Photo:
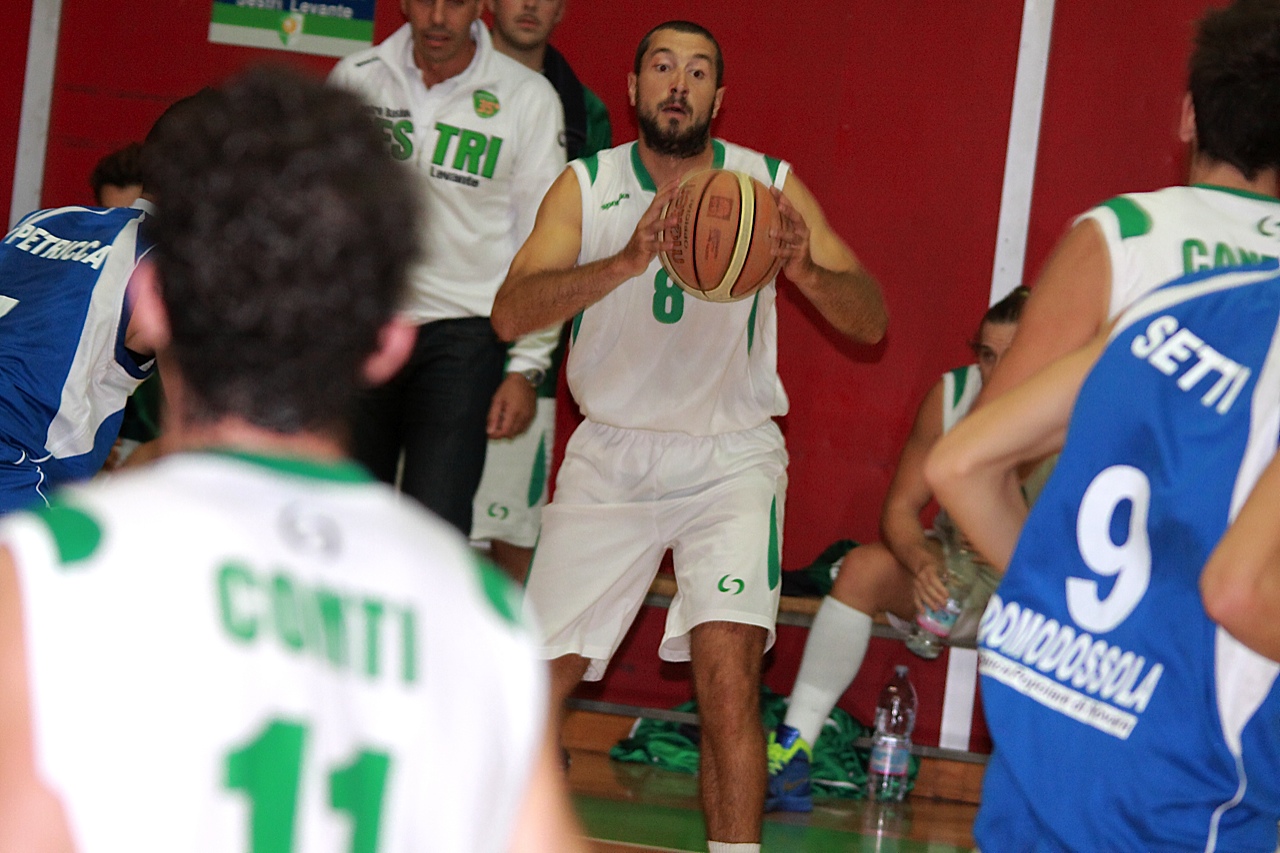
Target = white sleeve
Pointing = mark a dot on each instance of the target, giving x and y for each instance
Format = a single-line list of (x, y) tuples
[(533, 350), (540, 159), (340, 76), (540, 155)]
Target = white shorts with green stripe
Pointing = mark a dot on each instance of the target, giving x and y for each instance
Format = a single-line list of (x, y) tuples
[(513, 489), (623, 497)]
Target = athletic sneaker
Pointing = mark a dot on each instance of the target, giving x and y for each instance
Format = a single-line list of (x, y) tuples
[(789, 758)]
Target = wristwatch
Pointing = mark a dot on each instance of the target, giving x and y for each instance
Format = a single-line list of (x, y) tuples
[(533, 376)]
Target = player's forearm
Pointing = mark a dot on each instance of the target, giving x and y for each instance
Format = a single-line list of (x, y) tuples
[(1249, 613), (1240, 584), (905, 538), (538, 300), (985, 501), (850, 301)]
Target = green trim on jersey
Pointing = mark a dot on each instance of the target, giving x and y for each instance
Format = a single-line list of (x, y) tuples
[(593, 166), (773, 164), (961, 375), (775, 547), (75, 533), (1241, 193), (538, 479), (751, 322), (498, 589), (577, 322), (646, 180), (1134, 219), (599, 131), (642, 174), (340, 471)]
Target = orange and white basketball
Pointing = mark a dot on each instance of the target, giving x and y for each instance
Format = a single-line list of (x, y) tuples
[(722, 245)]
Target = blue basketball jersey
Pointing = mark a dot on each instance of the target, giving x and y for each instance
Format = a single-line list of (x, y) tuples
[(1123, 718), (64, 370)]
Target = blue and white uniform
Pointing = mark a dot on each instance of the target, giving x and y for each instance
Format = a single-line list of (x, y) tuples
[(1124, 718), (64, 370)]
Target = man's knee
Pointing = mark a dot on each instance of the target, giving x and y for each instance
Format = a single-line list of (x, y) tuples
[(869, 579), (726, 657)]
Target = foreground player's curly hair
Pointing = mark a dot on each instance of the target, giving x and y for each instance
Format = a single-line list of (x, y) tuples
[(1234, 82), (283, 239)]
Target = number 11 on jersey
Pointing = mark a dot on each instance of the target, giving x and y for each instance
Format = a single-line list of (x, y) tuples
[(268, 770)]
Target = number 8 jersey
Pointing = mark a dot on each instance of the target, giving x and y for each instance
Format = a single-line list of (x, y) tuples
[(257, 655), (649, 356), (1123, 718)]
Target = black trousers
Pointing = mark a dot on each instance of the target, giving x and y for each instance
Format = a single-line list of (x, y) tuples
[(435, 410)]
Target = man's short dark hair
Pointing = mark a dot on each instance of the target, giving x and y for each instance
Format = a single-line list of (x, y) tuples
[(283, 238), (681, 27), (1234, 82), (120, 168)]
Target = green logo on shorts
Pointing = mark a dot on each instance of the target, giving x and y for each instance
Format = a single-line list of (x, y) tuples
[(498, 511), (739, 581)]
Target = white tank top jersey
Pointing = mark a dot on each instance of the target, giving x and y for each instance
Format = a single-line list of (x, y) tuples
[(960, 387), (1158, 236), (648, 355), (257, 655)]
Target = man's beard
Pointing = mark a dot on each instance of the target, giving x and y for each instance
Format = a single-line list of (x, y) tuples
[(671, 143)]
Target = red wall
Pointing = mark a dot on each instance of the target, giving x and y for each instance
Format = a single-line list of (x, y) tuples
[(895, 115), (13, 65)]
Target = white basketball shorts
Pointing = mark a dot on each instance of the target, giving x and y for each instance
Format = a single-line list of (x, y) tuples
[(623, 497), (513, 489)]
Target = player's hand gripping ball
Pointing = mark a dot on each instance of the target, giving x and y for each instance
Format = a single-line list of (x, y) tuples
[(722, 250)]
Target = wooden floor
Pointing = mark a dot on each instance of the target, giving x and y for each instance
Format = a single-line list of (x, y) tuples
[(630, 807)]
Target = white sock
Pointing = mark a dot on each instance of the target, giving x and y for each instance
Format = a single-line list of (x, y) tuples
[(726, 847), (832, 657)]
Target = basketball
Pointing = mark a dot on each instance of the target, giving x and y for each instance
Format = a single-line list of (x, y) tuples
[(722, 246)]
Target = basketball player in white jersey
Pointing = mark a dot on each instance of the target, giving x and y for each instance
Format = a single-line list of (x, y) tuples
[(250, 646), (679, 449), (1226, 215)]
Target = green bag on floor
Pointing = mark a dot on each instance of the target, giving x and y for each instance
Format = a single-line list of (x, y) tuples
[(839, 767)]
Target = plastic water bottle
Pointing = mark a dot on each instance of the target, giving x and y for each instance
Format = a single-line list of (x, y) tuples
[(884, 826), (891, 745), (958, 573)]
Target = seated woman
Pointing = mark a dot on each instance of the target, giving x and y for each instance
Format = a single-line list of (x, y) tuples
[(899, 576)]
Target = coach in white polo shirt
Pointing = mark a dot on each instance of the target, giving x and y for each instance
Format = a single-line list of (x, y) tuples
[(486, 135)]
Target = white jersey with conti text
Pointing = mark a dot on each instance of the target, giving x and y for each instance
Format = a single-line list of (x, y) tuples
[(242, 654), (486, 145), (648, 355), (1155, 237)]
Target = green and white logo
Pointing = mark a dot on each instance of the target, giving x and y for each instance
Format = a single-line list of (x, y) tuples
[(291, 27), (727, 579), (486, 103)]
